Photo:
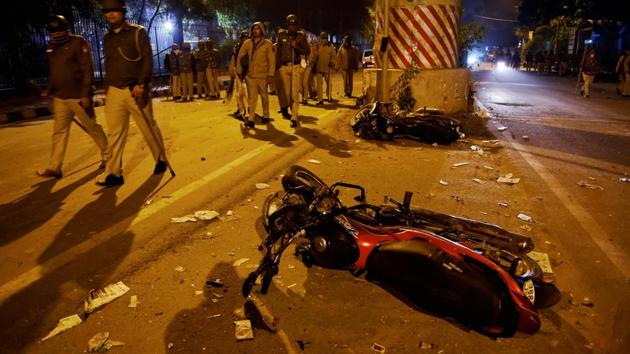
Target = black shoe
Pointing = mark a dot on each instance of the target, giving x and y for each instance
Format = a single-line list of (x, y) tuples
[(294, 123), (249, 124), (265, 120), (319, 103), (49, 173), (330, 100), (304, 102), (111, 181), (285, 113), (160, 167)]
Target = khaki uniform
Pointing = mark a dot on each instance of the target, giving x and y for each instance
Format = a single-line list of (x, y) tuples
[(201, 64), (590, 67), (261, 67), (125, 67), (308, 81), (240, 89), (70, 78), (212, 71), (176, 77), (186, 65), (323, 68), (348, 59), (291, 72)]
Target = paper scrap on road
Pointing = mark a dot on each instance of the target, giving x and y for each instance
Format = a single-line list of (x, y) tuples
[(425, 345), (443, 182), (460, 164), (240, 262), (504, 204), (179, 269), (262, 186), (198, 292), (475, 148), (63, 325), (243, 330), (543, 261), (206, 215), (133, 301), (101, 343), (508, 179), (478, 181), (100, 297), (378, 348), (525, 217), (624, 179), (526, 227), (313, 161), (502, 128), (183, 219), (525, 137), (585, 184)]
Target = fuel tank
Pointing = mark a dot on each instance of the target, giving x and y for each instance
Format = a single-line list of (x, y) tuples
[(456, 288)]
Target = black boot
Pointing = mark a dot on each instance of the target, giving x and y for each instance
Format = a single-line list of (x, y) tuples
[(285, 113)]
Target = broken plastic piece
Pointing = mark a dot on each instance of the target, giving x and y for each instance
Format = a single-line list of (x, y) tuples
[(206, 215), (524, 217), (378, 348), (443, 182), (313, 161), (96, 342), (63, 325), (240, 262), (585, 184), (262, 186), (475, 148), (133, 301), (179, 269), (183, 219), (459, 164), (501, 129), (504, 204), (100, 297), (425, 345), (478, 181), (243, 330), (217, 283), (624, 179), (507, 179)]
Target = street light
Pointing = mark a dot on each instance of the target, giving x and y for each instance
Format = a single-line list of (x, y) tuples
[(168, 26)]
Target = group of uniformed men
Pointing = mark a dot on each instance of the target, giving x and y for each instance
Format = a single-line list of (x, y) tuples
[(289, 65)]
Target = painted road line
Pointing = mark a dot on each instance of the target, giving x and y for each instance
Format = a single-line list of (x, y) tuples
[(615, 254), (34, 274)]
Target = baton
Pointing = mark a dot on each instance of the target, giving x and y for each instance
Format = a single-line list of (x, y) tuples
[(89, 111), (160, 143)]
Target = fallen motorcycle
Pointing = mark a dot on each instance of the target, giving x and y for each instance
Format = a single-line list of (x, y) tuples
[(385, 121), (475, 273)]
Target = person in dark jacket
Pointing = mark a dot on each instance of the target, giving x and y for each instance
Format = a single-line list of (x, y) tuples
[(348, 61), (172, 65), (589, 67), (129, 71), (201, 63), (70, 85), (186, 62)]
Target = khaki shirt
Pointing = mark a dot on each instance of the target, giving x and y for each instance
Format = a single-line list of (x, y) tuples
[(201, 59), (262, 61), (348, 58), (128, 56), (213, 58), (70, 68), (325, 58)]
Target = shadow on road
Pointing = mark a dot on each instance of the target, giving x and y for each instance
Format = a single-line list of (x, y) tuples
[(269, 134)]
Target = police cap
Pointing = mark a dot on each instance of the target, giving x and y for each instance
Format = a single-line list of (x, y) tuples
[(57, 23), (114, 6)]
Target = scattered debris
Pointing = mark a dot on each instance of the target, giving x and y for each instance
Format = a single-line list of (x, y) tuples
[(525, 137), (229, 213), (504, 204), (501, 128), (425, 345), (183, 219), (259, 314), (170, 345), (203, 158), (101, 343), (434, 145), (240, 262), (624, 179), (357, 141), (206, 215), (133, 302), (198, 292), (215, 315), (148, 202), (179, 269), (507, 179), (100, 297), (243, 330), (589, 345), (217, 295), (525, 217), (262, 186), (543, 261), (313, 161), (460, 164), (63, 325), (443, 182), (585, 184), (478, 181), (378, 348), (587, 302), (217, 283), (526, 227), (231, 254), (475, 148), (302, 344), (292, 285), (488, 167)]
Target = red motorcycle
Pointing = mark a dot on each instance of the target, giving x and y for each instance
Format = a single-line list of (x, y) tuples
[(472, 272)]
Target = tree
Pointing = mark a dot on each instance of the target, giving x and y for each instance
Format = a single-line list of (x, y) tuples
[(470, 35)]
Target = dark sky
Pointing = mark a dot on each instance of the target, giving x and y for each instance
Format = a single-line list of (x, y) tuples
[(498, 33)]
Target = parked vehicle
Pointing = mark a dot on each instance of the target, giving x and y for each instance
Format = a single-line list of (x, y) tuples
[(367, 59), (385, 121), (468, 271)]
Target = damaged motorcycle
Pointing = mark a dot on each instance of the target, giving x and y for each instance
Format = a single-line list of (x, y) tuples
[(385, 121), (467, 271)]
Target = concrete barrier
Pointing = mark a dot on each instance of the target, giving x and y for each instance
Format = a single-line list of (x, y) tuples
[(446, 89)]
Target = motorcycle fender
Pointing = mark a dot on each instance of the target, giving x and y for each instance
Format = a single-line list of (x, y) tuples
[(440, 283)]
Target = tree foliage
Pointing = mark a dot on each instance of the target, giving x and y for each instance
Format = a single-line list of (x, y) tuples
[(539, 12)]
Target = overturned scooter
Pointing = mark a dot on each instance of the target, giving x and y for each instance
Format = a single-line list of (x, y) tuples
[(474, 273)]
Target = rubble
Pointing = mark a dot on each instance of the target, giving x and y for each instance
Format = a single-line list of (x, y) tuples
[(99, 297), (478, 181), (243, 330), (378, 348), (183, 219), (502, 128), (133, 302), (206, 215), (101, 343), (179, 269), (460, 164), (504, 204), (585, 184), (63, 325), (425, 345), (508, 179)]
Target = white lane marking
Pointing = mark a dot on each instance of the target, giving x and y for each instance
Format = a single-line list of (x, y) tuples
[(615, 254), (36, 273)]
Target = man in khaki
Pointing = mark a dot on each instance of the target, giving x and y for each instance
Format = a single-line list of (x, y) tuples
[(212, 72), (259, 52), (348, 61), (239, 88), (325, 63), (129, 68), (201, 63), (291, 44), (308, 79), (186, 66), (70, 83)]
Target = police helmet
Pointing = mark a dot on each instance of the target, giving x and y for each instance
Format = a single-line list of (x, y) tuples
[(292, 20), (244, 34), (57, 23), (323, 35), (114, 6)]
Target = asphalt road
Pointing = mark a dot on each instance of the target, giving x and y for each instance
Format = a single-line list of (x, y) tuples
[(62, 238)]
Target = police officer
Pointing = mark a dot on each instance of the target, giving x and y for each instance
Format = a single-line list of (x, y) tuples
[(171, 63), (348, 60), (201, 63), (186, 66), (212, 70), (291, 44), (70, 84), (129, 68), (325, 62)]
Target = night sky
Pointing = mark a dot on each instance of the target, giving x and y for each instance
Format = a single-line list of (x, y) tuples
[(497, 33)]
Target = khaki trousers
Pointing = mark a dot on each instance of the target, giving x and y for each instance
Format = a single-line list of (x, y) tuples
[(120, 105), (256, 87), (291, 76), (283, 100), (187, 84), (320, 77), (202, 83), (586, 86), (307, 83), (347, 76), (64, 112), (240, 92), (176, 85), (213, 81)]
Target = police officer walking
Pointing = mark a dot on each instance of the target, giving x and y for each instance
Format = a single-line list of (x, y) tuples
[(348, 60), (129, 68), (325, 62), (291, 44), (70, 84)]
